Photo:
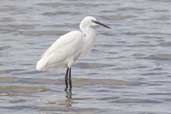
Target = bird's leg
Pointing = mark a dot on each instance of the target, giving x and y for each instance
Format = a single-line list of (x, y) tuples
[(70, 80), (66, 79), (70, 84)]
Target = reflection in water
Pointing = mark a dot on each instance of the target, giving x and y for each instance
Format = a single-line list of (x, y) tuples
[(68, 102)]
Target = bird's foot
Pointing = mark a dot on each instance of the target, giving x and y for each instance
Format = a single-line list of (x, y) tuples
[(68, 93)]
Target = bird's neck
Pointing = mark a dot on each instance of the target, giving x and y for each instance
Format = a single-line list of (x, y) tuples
[(89, 38), (87, 30)]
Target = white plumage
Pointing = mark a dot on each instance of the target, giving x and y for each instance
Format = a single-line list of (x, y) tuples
[(66, 50), (62, 52)]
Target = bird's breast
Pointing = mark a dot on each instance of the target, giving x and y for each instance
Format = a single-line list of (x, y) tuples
[(89, 40)]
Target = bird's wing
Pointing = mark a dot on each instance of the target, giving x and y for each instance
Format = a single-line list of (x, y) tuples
[(63, 48), (64, 41)]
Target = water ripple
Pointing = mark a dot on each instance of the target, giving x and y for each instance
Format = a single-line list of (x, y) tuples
[(127, 72)]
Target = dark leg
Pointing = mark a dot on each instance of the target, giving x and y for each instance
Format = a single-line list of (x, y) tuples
[(66, 79), (70, 84), (70, 80)]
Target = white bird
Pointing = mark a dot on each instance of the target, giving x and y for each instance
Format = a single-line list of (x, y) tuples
[(66, 49)]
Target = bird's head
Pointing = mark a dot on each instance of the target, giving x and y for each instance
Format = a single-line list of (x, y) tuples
[(90, 21)]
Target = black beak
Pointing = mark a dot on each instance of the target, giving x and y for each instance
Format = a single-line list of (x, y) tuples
[(99, 23)]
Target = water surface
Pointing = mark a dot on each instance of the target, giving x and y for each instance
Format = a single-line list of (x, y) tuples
[(128, 71)]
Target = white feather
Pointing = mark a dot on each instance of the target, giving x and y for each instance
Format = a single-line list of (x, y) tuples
[(66, 50), (62, 51)]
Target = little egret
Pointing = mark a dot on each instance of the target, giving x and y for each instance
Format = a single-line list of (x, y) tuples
[(66, 50)]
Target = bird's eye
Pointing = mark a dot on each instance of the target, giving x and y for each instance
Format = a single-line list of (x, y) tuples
[(92, 20)]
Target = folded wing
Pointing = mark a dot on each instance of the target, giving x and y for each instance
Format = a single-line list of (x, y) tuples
[(63, 50)]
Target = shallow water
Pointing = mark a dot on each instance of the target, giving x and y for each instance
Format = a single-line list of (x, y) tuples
[(127, 72)]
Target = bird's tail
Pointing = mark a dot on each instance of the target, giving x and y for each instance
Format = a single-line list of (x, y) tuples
[(41, 65)]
